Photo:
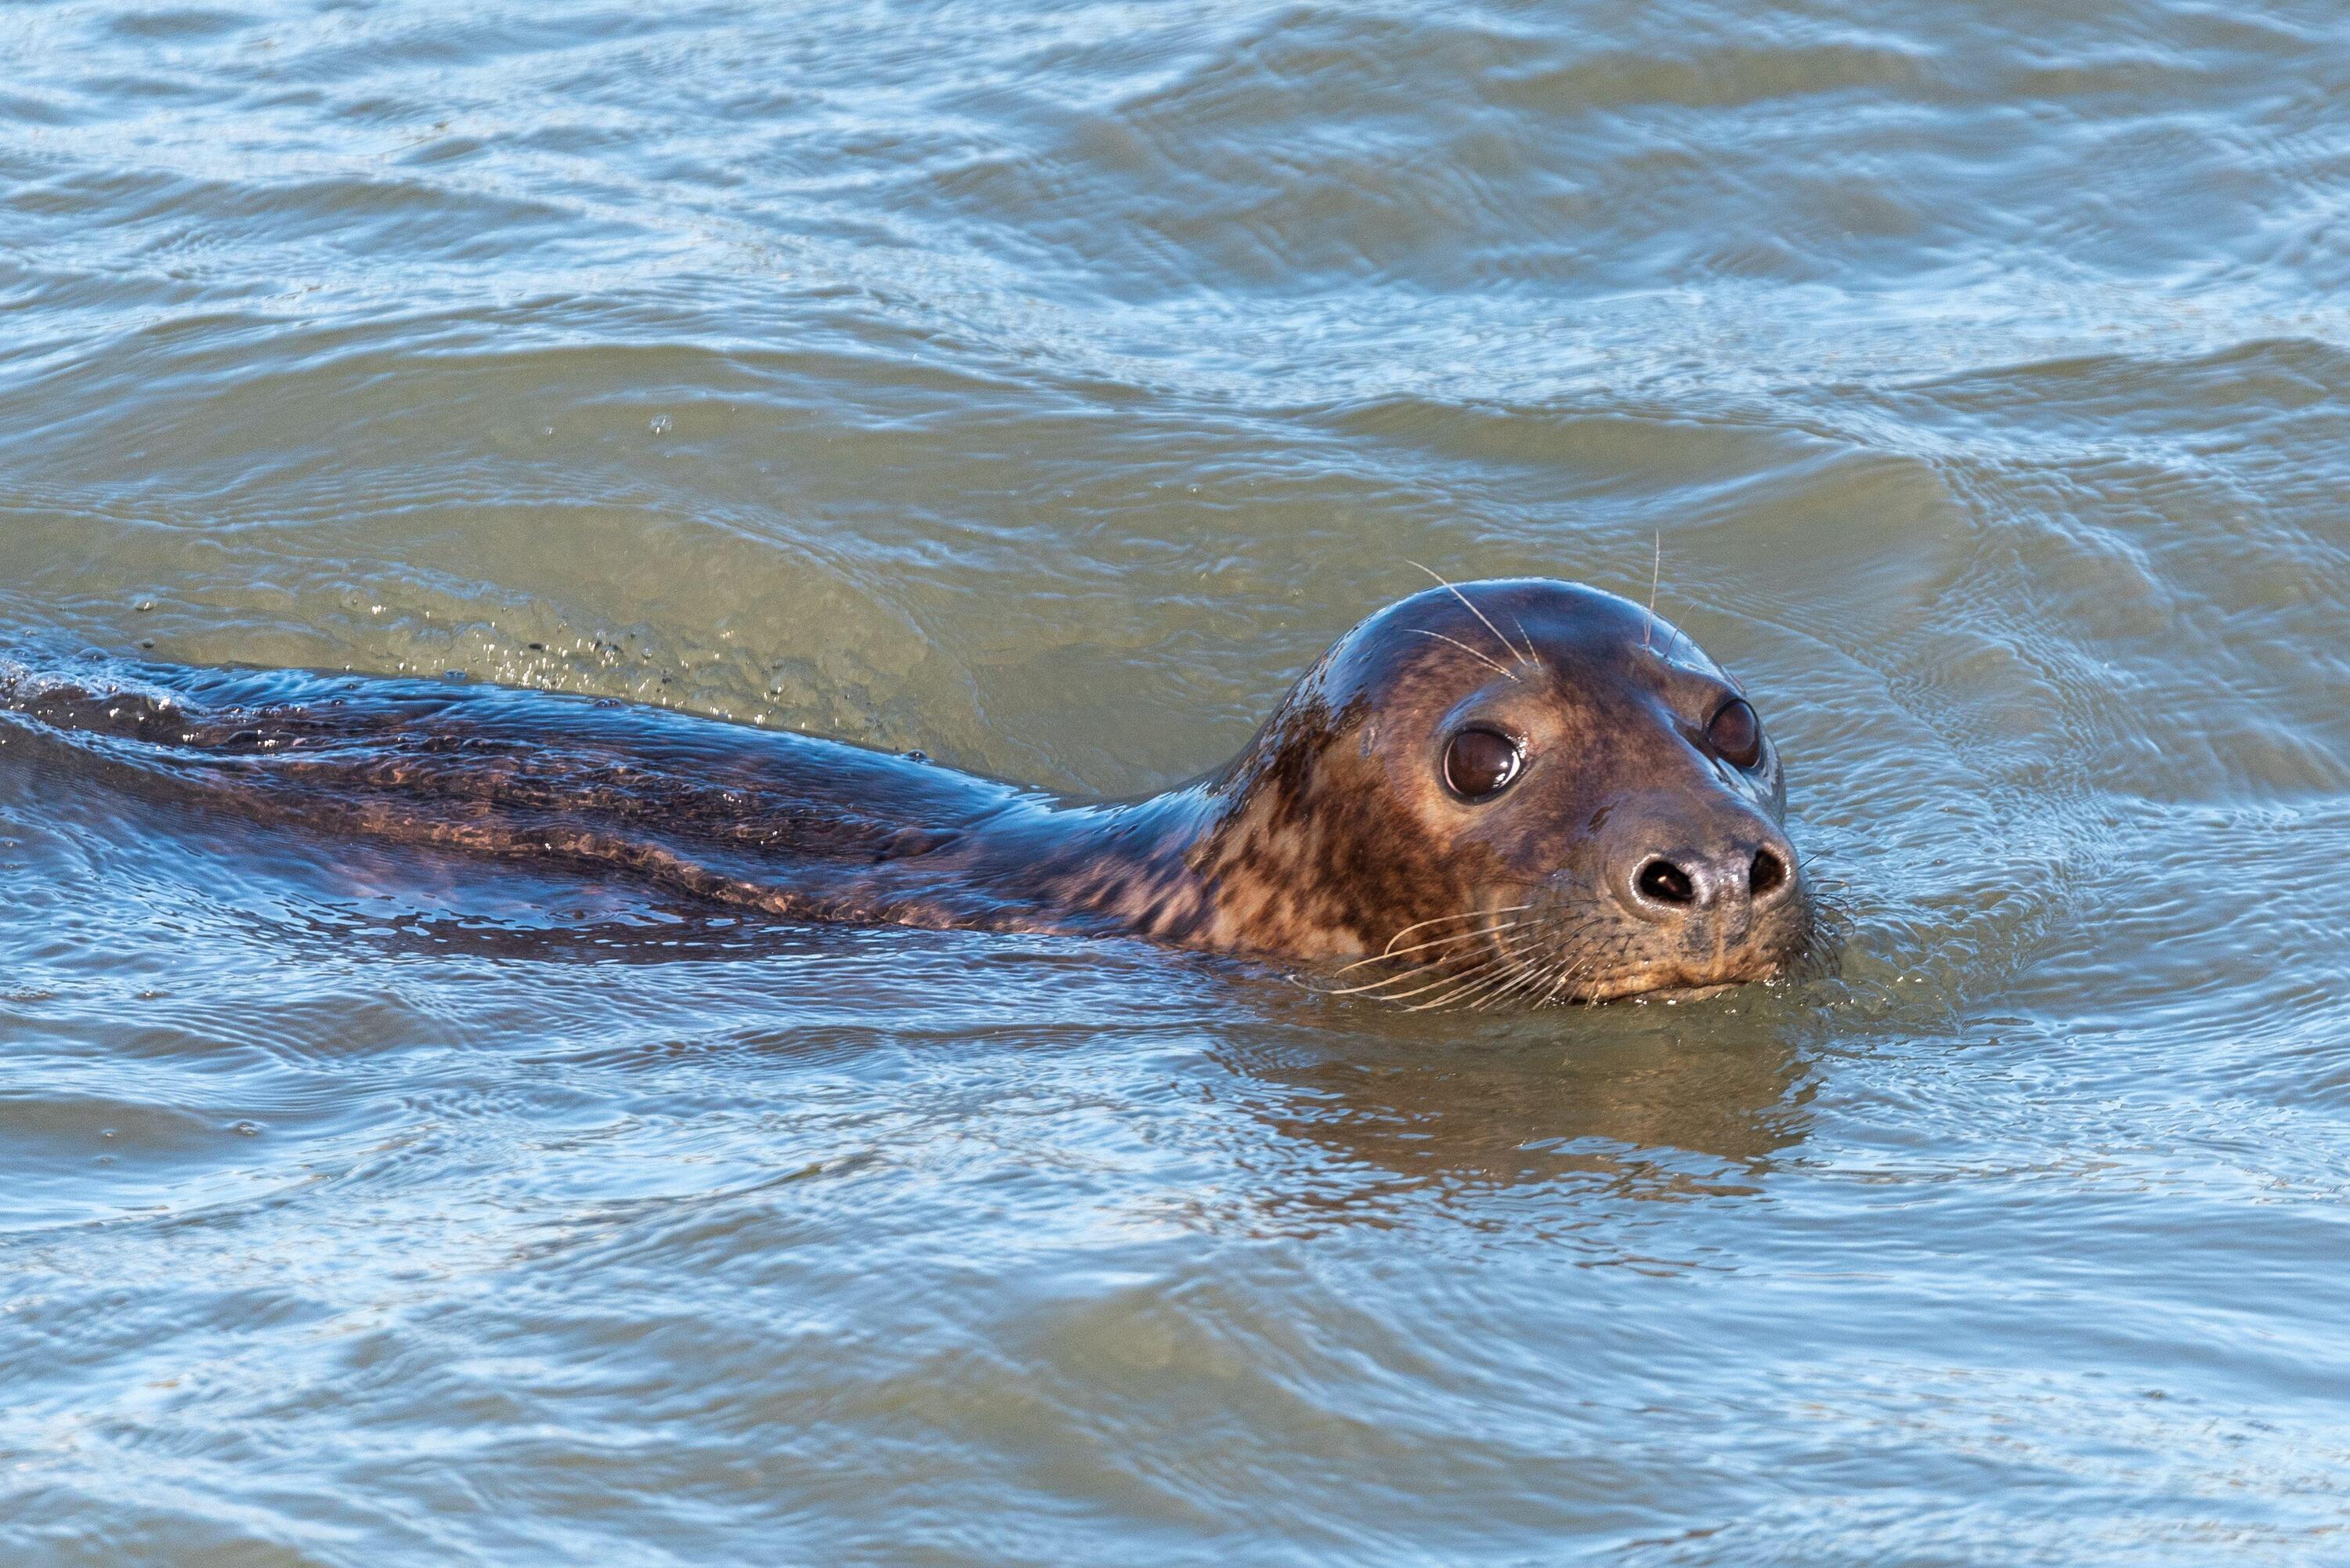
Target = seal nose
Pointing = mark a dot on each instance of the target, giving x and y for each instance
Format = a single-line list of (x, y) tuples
[(1724, 884)]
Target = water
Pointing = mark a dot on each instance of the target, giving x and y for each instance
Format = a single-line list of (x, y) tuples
[(1042, 387)]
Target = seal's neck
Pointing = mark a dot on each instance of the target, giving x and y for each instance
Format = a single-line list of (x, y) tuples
[(1127, 867), (1234, 862)]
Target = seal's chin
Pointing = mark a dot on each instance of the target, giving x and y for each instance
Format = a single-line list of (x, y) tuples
[(1669, 990), (1650, 964), (1676, 983)]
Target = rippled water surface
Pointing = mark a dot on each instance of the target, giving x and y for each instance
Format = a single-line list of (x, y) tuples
[(1042, 386)]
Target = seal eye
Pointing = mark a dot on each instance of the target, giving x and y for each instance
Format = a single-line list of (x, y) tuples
[(1736, 734), (1481, 763)]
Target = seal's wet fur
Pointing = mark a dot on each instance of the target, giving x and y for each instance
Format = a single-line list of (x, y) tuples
[(1333, 836)]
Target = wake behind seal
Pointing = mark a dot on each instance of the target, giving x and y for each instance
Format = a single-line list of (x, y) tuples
[(1515, 791)]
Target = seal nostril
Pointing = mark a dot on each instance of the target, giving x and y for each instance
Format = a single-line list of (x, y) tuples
[(1666, 883), (1766, 873)]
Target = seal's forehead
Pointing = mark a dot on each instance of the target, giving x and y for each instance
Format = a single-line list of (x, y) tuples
[(1499, 625)]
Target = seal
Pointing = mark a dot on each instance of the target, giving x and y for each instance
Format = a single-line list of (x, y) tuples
[(1518, 791)]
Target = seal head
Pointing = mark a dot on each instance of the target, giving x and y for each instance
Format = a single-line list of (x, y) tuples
[(1520, 790)]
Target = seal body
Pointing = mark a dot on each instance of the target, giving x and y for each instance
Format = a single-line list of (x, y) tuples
[(1520, 790)]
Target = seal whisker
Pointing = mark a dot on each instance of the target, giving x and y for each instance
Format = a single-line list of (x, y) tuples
[(1566, 971), (1570, 967), (1412, 972), (1533, 657), (1433, 964), (1471, 652), (1372, 987), (1507, 645), (1513, 966), (1536, 973), (1458, 914), (1431, 920), (1428, 1006), (1513, 969), (1432, 942), (1452, 978), (1656, 579), (1572, 970), (1525, 971), (1464, 984)]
